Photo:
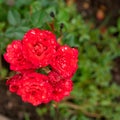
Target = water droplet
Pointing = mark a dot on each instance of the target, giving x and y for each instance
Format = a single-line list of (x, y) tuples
[(65, 48), (32, 32), (43, 97), (41, 34)]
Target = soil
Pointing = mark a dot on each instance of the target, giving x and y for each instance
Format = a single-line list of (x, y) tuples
[(99, 11), (116, 71), (12, 106)]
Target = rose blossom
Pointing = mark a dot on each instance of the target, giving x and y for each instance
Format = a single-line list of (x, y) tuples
[(32, 87), (61, 87), (14, 83), (54, 77), (39, 46), (15, 57), (39, 50), (65, 61)]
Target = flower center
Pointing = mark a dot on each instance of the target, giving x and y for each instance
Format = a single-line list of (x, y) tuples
[(39, 48)]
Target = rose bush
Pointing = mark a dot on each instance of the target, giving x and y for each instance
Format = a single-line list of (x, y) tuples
[(37, 50)]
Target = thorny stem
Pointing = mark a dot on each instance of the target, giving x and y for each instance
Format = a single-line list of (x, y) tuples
[(61, 27), (57, 117), (59, 40), (52, 24), (76, 107)]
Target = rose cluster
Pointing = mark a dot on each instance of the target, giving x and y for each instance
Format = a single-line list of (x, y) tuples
[(39, 50)]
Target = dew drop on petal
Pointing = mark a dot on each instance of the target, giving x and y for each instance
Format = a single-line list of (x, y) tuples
[(66, 93), (65, 48), (15, 46), (41, 34), (43, 97), (32, 32), (41, 84)]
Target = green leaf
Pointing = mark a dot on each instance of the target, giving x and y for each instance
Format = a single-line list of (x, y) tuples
[(112, 30), (38, 18), (2, 25), (41, 111), (84, 37), (105, 102), (63, 15), (73, 117), (26, 115), (1, 1), (20, 3), (3, 73), (118, 24), (15, 33), (13, 17)]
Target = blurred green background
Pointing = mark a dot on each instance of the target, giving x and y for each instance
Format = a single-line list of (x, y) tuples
[(96, 95)]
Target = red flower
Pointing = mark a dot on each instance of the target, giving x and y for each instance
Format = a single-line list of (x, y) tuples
[(39, 46), (14, 83), (32, 87), (61, 87), (15, 57), (65, 61), (54, 77)]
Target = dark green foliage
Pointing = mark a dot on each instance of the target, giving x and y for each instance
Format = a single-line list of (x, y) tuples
[(94, 94)]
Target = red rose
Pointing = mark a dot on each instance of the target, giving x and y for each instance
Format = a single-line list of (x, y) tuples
[(65, 61), (14, 83), (39, 46), (61, 87), (54, 77), (35, 89), (15, 57)]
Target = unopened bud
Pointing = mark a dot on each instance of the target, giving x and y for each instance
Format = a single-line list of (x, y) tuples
[(61, 26), (52, 14)]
